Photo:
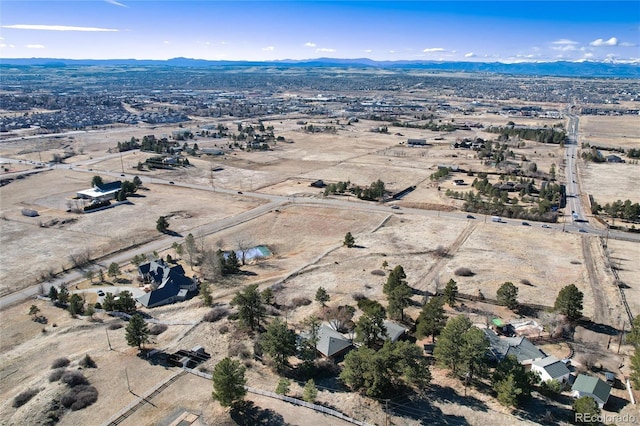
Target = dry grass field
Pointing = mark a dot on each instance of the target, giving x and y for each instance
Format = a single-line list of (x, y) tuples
[(305, 238)]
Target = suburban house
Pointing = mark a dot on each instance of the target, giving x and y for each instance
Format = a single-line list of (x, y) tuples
[(395, 331), (331, 344), (106, 191), (164, 284), (520, 347), (593, 387), (551, 368)]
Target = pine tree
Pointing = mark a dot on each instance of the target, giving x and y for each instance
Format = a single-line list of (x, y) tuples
[(432, 320), (569, 302), (251, 311), (228, 382), (508, 295), (279, 342), (322, 296), (137, 332), (451, 292), (310, 391)]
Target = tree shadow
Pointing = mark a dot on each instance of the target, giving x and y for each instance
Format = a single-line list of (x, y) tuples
[(173, 233), (247, 413), (415, 406), (616, 403), (598, 328), (451, 396)]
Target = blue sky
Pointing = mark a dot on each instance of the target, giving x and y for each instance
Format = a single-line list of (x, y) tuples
[(506, 31)]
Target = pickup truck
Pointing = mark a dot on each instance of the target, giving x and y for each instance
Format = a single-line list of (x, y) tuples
[(496, 219)]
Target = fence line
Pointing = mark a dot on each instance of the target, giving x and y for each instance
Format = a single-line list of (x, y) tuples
[(289, 399)]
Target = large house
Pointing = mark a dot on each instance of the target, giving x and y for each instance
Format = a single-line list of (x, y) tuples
[(593, 387), (105, 191), (520, 347), (551, 368), (165, 284)]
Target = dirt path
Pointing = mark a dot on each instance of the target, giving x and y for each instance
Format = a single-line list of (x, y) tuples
[(423, 282), (600, 309)]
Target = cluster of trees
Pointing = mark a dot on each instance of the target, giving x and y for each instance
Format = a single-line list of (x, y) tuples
[(133, 143), (374, 191), (123, 303), (159, 146), (431, 125), (593, 155), (625, 210), (633, 153), (310, 128), (544, 135), (442, 172), (633, 338), (158, 162)]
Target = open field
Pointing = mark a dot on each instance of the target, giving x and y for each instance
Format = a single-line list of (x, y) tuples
[(305, 234), (614, 132)]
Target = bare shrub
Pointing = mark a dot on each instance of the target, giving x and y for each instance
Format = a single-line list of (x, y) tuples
[(378, 272), (224, 329), (79, 397), (74, 378), (300, 301), (55, 375), (87, 362), (24, 397), (576, 262), (114, 325), (526, 282), (215, 314), (60, 362), (157, 329), (440, 251), (464, 272), (239, 349), (358, 296)]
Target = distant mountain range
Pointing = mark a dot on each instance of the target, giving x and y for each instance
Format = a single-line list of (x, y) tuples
[(559, 68)]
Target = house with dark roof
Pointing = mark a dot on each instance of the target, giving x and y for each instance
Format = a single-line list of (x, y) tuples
[(551, 368), (165, 284), (520, 347), (593, 387), (331, 344)]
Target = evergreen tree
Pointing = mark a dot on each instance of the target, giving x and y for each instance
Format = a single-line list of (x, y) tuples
[(396, 278), (508, 295), (53, 294), (279, 342), (512, 383), (268, 298), (162, 225), (114, 270), (228, 382), (569, 302), (310, 391), (137, 332), (76, 305), (349, 241), (283, 387), (205, 293), (63, 295), (432, 320), (322, 296), (399, 298), (250, 308), (586, 405), (370, 328), (635, 368), (451, 292)]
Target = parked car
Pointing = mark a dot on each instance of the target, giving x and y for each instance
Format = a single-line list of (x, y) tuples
[(545, 226), (526, 224)]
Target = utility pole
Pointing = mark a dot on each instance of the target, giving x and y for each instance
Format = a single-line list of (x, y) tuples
[(121, 163), (621, 334), (127, 377), (108, 341)]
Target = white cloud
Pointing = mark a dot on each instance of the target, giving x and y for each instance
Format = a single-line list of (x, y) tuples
[(564, 47), (57, 28), (324, 49), (600, 42), (470, 55), (165, 42), (367, 51), (626, 44), (433, 49), (35, 46), (310, 44), (564, 42), (116, 3), (268, 49)]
